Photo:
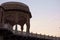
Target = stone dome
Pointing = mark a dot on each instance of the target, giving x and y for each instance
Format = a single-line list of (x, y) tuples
[(16, 5)]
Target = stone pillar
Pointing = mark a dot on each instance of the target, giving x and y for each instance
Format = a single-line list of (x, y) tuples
[(28, 24), (1, 17), (16, 21)]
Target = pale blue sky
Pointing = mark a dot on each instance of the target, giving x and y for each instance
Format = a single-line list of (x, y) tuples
[(45, 16)]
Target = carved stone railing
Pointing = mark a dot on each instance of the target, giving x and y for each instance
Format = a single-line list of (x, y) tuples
[(36, 35)]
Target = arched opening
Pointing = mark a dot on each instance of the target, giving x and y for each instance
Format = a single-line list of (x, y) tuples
[(25, 28), (19, 27)]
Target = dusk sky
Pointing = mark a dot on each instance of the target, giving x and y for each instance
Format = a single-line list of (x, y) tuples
[(45, 16)]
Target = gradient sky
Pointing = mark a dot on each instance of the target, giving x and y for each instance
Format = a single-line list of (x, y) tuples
[(45, 16)]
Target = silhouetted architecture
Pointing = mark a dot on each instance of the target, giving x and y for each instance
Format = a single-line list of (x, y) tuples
[(13, 13), (16, 13)]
